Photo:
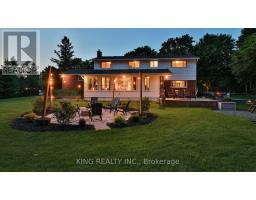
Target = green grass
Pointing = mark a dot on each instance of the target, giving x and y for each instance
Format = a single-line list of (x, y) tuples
[(200, 139), (242, 106)]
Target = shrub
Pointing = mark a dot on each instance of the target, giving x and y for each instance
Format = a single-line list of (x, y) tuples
[(38, 106), (53, 107), (227, 99), (30, 117), (120, 121), (134, 119), (82, 122), (145, 104), (64, 112)]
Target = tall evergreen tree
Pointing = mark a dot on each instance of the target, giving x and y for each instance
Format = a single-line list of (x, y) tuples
[(64, 54)]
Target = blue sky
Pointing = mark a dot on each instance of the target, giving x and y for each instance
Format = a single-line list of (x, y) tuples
[(114, 41)]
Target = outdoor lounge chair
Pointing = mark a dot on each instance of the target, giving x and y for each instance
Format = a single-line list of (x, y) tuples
[(113, 105), (124, 108), (96, 110)]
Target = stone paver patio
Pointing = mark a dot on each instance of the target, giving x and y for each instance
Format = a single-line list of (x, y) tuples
[(107, 117)]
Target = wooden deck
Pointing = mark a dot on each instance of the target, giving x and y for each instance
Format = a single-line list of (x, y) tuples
[(191, 102)]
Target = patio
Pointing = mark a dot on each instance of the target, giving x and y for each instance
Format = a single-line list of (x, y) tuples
[(107, 117)]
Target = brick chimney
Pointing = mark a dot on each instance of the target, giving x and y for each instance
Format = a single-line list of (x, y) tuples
[(99, 54)]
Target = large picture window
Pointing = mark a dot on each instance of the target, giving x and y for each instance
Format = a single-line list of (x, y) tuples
[(105, 83), (179, 84), (134, 64), (106, 65), (125, 83), (179, 63), (147, 83), (92, 83)]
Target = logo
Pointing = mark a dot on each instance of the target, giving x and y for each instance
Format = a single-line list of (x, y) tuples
[(20, 53)]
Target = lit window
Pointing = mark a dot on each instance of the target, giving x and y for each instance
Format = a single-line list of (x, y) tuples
[(179, 84), (125, 83), (146, 83), (93, 83), (179, 63), (105, 65), (153, 63), (134, 64), (105, 83)]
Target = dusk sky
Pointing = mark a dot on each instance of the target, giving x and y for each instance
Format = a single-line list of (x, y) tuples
[(113, 41)]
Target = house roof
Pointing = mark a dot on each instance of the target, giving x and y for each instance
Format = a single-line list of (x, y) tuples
[(145, 58), (116, 71)]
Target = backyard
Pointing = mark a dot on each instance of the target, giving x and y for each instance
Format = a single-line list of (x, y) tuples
[(200, 139)]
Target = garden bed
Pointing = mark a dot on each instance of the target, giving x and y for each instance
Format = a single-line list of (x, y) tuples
[(24, 125), (135, 121)]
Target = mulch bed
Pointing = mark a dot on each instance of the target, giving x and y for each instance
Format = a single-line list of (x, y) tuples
[(24, 125), (146, 120)]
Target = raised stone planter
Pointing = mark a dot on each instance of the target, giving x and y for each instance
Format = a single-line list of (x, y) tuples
[(227, 105)]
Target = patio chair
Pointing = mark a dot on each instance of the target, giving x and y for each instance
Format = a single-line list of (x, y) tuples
[(124, 108), (96, 110), (93, 100), (113, 105)]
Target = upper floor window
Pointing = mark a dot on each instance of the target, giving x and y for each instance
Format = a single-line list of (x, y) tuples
[(153, 63), (179, 63), (179, 84), (134, 64), (106, 64)]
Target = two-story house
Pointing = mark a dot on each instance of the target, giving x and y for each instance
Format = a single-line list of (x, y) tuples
[(119, 76)]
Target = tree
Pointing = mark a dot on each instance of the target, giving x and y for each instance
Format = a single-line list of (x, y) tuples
[(177, 46), (246, 32), (144, 51), (244, 64), (13, 86), (215, 53), (9, 86), (78, 62), (64, 54)]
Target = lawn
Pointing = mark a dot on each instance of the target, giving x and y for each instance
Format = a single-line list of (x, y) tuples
[(200, 139)]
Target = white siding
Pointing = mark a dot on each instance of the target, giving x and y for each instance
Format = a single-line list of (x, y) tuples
[(188, 73)]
